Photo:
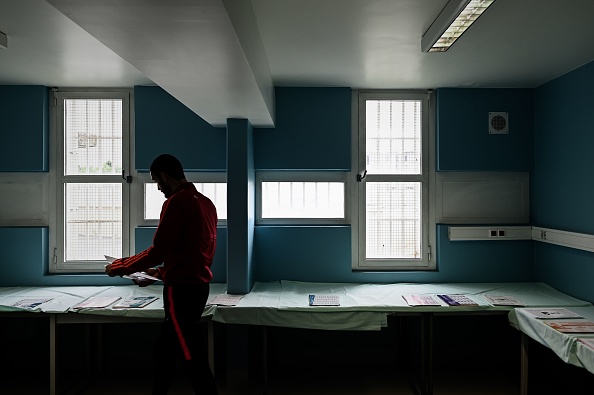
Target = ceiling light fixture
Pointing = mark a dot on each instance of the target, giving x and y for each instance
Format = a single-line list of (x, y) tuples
[(3, 41), (455, 18)]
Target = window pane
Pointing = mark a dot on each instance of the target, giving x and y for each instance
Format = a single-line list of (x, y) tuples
[(302, 200), (215, 191), (393, 220), (393, 136), (93, 221), (93, 137), (153, 201)]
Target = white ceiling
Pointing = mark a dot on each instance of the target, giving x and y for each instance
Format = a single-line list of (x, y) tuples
[(221, 58)]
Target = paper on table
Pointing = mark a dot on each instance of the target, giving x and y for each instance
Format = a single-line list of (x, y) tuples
[(503, 300), (457, 300), (140, 276), (420, 300), (225, 300), (572, 326), (31, 303), (324, 300), (134, 302), (96, 302), (550, 313)]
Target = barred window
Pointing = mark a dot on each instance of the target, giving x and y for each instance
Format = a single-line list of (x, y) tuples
[(393, 201), (154, 199), (302, 197), (92, 197)]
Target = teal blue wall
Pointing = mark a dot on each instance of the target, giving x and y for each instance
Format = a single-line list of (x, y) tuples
[(463, 139), (164, 125), (25, 261), (483, 261), (562, 189), (312, 131), (553, 116), (24, 128), (314, 253), (24, 255)]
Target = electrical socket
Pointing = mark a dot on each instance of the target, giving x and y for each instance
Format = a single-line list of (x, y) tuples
[(496, 232)]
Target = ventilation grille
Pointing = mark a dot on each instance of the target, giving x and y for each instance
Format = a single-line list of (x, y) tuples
[(498, 123)]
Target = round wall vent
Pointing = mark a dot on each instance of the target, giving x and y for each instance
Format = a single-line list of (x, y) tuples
[(498, 123)]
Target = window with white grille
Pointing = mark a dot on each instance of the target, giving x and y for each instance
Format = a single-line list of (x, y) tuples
[(393, 230), (302, 198), (154, 199), (92, 205)]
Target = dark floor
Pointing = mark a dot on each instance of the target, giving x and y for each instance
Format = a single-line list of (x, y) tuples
[(288, 383), (481, 359)]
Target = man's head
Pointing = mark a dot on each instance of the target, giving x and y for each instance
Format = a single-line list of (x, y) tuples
[(167, 171)]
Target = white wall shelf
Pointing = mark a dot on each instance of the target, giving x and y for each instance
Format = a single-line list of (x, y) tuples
[(579, 241), (493, 233)]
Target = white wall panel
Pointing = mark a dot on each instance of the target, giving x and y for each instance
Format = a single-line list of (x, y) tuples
[(482, 198), (24, 199)]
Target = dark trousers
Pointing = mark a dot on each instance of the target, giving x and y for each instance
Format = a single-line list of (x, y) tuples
[(181, 338)]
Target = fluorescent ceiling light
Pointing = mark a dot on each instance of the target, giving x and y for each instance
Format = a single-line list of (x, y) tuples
[(455, 18), (3, 41)]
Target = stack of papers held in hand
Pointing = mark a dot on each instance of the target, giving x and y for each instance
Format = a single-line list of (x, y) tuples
[(141, 276), (138, 276)]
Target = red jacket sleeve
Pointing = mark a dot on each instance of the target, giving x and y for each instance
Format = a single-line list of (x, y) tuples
[(165, 238)]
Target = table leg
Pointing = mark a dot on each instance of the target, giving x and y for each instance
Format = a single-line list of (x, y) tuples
[(52, 351), (211, 361), (427, 353), (524, 364), (265, 359)]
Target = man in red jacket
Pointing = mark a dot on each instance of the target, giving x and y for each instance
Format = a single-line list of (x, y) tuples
[(184, 243)]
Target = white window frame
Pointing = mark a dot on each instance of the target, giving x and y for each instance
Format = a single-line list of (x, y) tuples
[(58, 179), (427, 260), (300, 176), (194, 177)]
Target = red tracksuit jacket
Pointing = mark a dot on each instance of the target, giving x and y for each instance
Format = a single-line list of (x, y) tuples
[(184, 242)]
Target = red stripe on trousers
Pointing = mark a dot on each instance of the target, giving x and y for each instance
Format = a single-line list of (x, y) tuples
[(180, 335)]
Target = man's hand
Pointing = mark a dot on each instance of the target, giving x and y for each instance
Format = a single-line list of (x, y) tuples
[(144, 283), (108, 270)]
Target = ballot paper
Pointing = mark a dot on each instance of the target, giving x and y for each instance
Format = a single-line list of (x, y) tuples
[(225, 300), (134, 302), (572, 326), (31, 303), (324, 300), (503, 300), (141, 276), (545, 313), (95, 302), (138, 276), (420, 300)]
